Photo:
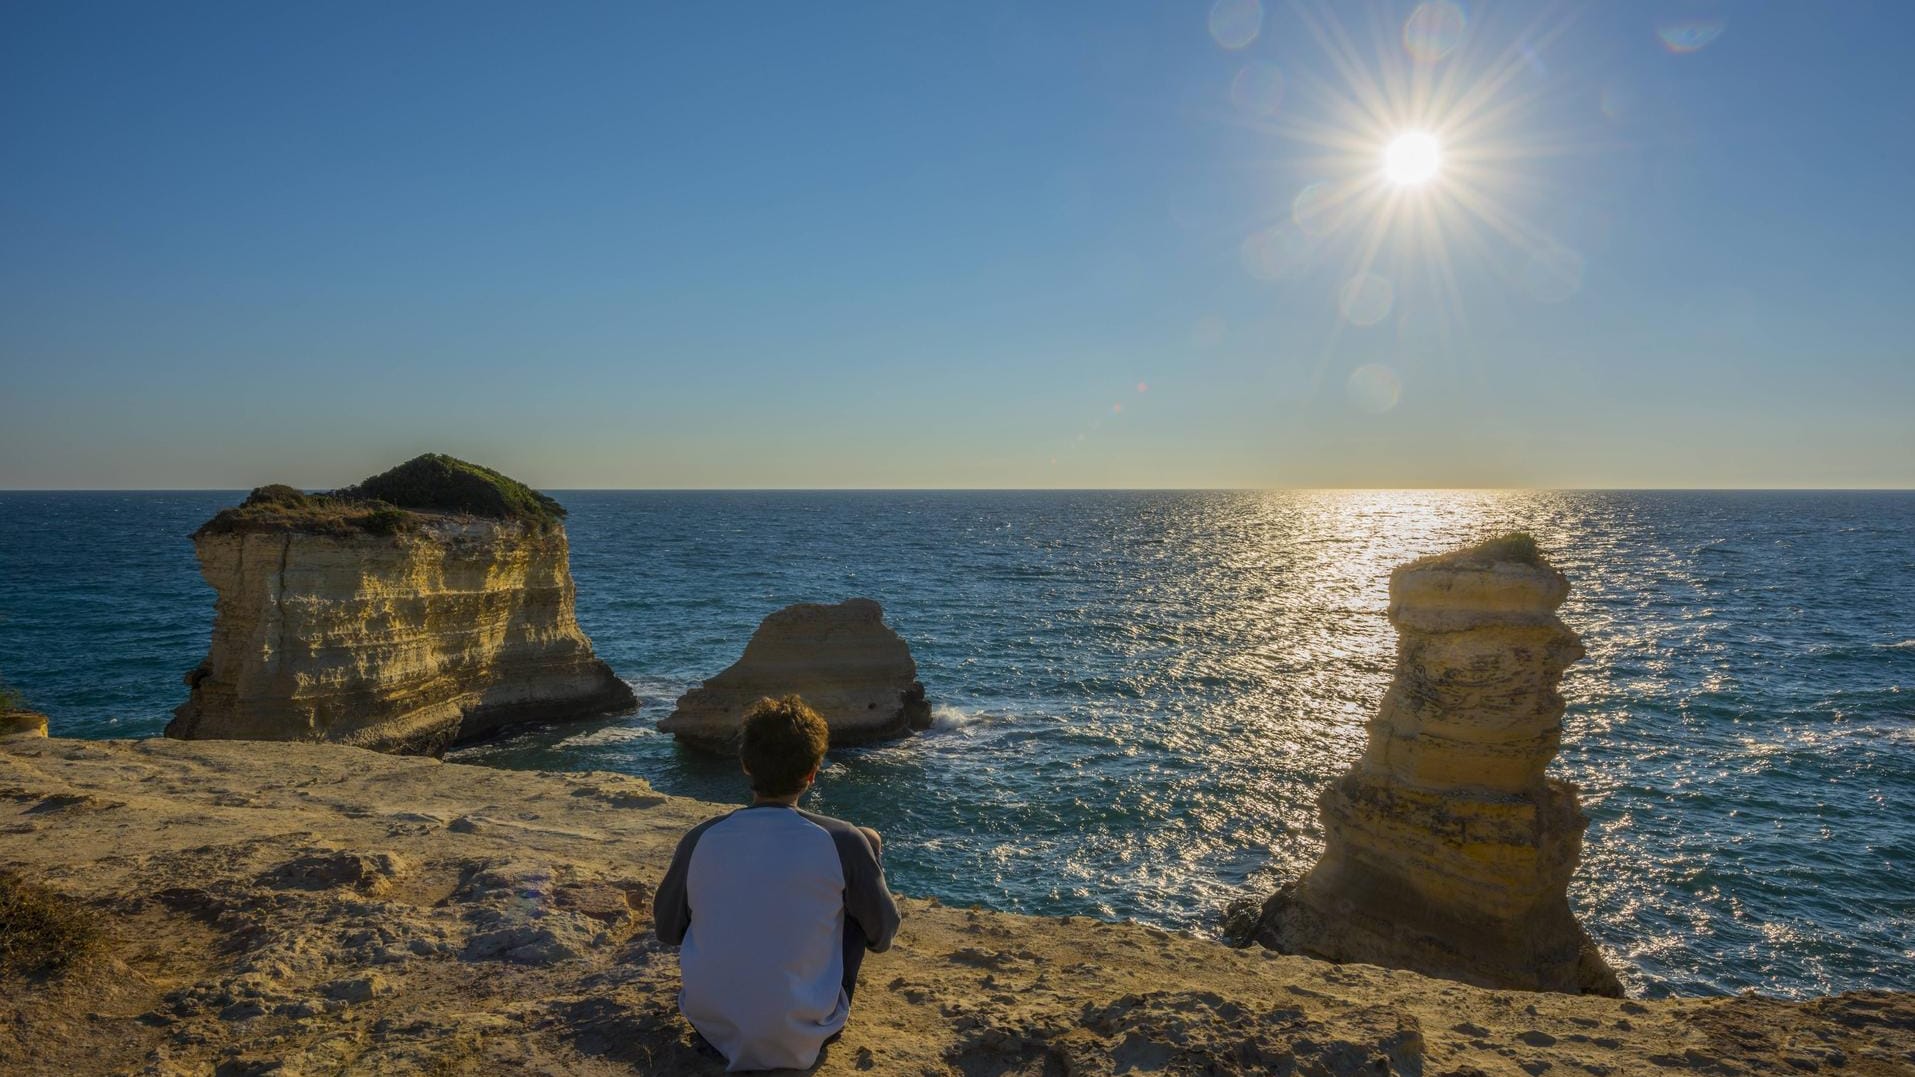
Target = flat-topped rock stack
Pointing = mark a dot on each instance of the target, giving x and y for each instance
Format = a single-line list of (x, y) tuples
[(428, 605), (844, 660), (1448, 850)]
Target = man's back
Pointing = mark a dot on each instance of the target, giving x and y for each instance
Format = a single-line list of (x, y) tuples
[(758, 901)]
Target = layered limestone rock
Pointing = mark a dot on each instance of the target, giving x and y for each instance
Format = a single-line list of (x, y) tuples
[(1448, 850), (843, 659), (22, 723), (439, 613)]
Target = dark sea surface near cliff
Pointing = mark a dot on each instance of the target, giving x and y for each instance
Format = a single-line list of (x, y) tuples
[(1139, 695)]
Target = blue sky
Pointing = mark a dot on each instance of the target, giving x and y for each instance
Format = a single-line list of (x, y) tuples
[(979, 244)]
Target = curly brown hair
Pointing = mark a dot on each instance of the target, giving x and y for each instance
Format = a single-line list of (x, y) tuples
[(782, 742)]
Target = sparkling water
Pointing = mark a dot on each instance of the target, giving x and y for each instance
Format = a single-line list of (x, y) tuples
[(1139, 695)]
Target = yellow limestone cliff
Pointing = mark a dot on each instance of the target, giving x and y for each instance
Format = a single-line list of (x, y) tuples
[(1448, 851), (401, 629)]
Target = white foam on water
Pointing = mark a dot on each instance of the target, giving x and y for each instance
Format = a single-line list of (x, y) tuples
[(946, 718), (616, 734)]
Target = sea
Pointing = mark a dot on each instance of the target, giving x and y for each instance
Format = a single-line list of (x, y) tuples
[(1139, 695)]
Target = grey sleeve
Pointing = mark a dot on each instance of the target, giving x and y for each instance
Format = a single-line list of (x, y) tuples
[(671, 906), (867, 900), (866, 897)]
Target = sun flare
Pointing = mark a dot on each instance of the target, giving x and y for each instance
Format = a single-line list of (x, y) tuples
[(1412, 158)]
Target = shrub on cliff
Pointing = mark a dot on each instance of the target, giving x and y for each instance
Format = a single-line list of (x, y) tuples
[(388, 503), (282, 508), (41, 932), (439, 483), (1516, 547)]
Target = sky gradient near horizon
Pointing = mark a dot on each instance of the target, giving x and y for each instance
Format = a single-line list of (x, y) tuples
[(970, 245)]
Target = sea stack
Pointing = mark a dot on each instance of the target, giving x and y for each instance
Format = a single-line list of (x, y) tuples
[(843, 659), (1448, 850), (428, 605)]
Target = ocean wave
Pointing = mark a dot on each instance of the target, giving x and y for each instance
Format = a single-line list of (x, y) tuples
[(946, 718)]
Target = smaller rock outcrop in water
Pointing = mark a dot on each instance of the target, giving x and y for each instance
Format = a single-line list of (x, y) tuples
[(1447, 849), (425, 606), (843, 659)]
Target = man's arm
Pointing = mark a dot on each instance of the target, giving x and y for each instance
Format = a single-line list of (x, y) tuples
[(671, 906), (867, 900)]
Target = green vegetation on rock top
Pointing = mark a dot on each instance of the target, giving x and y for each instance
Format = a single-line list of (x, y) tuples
[(390, 502), (1517, 547), (439, 483)]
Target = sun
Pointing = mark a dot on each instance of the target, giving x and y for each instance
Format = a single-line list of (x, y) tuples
[(1412, 158)]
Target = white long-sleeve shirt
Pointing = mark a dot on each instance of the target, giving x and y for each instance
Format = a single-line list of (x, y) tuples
[(757, 902)]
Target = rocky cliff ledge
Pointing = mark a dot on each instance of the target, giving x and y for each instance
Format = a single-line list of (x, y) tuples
[(299, 909), (22, 723), (843, 659), (428, 605), (1447, 850)]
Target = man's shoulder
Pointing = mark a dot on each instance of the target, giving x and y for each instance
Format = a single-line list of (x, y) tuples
[(692, 835), (834, 826), (848, 837)]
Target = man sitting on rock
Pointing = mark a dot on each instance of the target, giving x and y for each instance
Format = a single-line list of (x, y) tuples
[(773, 907)]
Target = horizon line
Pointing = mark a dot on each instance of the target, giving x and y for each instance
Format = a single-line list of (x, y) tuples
[(1035, 489)]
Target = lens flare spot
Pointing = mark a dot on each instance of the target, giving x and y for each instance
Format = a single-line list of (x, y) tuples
[(1235, 23), (1412, 158), (1553, 273), (1618, 100), (1366, 299), (1319, 209), (1258, 89), (1277, 254), (1434, 30), (1682, 36), (1143, 387), (1374, 387)]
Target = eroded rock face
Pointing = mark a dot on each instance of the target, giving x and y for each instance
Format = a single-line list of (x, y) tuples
[(843, 659), (21, 723), (446, 630), (1448, 850)]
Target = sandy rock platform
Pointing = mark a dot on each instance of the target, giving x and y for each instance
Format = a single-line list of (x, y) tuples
[(294, 909)]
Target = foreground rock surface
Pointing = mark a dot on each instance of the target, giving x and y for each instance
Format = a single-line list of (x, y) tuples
[(396, 629), (843, 659), (311, 909), (1447, 849)]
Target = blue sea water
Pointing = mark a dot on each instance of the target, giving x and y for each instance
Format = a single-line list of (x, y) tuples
[(1139, 695)]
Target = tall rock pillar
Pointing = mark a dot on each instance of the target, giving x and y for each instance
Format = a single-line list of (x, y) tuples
[(1447, 849)]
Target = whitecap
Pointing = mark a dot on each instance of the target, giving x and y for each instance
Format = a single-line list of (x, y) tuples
[(615, 734), (946, 718)]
